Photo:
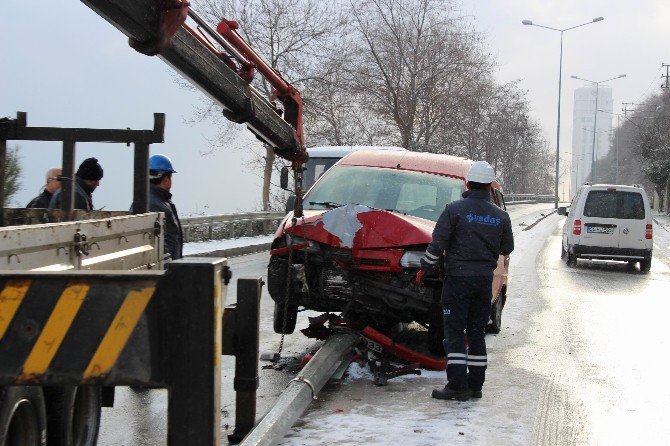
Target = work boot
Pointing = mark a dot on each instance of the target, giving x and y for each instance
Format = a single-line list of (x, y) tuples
[(475, 393), (451, 394)]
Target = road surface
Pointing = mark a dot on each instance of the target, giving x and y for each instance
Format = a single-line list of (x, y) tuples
[(580, 360)]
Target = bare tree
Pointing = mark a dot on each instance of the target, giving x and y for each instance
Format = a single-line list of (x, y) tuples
[(293, 36), (408, 58)]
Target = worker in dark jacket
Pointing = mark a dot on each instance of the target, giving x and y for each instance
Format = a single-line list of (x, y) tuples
[(471, 233), (52, 185), (87, 179), (160, 200)]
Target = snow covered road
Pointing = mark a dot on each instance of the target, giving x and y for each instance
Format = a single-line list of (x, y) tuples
[(570, 367), (580, 360)]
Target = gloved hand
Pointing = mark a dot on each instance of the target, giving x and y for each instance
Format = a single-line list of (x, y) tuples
[(419, 278)]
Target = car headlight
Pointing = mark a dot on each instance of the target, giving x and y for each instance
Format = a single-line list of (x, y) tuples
[(411, 259)]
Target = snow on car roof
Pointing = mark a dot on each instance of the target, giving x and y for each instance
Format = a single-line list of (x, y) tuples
[(406, 160), (340, 151)]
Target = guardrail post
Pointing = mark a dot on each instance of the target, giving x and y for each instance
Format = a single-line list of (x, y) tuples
[(245, 346), (192, 324)]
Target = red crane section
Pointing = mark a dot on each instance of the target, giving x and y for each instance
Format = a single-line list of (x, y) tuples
[(219, 62)]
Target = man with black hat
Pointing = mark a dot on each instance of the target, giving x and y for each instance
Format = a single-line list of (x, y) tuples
[(87, 179)]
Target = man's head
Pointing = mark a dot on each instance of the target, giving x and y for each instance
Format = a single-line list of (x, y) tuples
[(91, 172), (53, 179), (480, 176), (160, 171)]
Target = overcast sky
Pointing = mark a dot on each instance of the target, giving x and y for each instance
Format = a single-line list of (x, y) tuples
[(65, 66)]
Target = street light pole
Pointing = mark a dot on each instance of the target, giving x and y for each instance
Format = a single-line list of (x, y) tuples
[(594, 159), (560, 78)]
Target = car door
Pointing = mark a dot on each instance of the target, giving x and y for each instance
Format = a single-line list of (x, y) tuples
[(633, 221), (600, 225)]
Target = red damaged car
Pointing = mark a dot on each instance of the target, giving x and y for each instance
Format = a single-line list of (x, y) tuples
[(366, 225)]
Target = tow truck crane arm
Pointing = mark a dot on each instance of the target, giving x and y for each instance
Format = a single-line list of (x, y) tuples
[(219, 62)]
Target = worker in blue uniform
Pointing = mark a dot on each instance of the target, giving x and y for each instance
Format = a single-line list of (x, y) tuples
[(470, 234)]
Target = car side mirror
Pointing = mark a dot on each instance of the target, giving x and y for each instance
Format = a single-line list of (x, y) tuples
[(290, 203), (283, 178), (562, 210)]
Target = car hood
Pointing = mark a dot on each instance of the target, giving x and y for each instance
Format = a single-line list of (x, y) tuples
[(356, 226)]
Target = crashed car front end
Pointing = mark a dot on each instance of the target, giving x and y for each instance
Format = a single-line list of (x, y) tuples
[(353, 259)]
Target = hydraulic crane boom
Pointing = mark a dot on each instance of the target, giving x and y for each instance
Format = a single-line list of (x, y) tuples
[(158, 27)]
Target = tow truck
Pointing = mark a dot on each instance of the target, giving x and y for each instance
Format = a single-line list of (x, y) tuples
[(43, 242)]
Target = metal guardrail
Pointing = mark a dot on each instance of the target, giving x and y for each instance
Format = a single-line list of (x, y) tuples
[(528, 198), (249, 224), (223, 226)]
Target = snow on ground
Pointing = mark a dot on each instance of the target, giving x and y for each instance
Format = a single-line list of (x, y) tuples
[(216, 245), (358, 412)]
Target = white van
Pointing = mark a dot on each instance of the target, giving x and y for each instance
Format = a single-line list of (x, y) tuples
[(323, 158), (608, 222)]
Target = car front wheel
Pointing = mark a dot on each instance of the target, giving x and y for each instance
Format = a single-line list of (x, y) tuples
[(285, 317), (496, 315)]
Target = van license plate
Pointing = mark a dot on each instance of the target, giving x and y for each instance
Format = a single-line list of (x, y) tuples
[(599, 230)]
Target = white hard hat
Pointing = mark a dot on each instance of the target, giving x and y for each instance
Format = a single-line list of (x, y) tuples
[(481, 172)]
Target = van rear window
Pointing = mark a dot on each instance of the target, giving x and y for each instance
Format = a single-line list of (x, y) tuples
[(614, 204)]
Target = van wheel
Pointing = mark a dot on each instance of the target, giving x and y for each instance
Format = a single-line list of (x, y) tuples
[(496, 314), (281, 325), (570, 259), (23, 417), (563, 252), (74, 415), (645, 265)]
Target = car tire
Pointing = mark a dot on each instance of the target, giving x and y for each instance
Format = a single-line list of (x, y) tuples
[(495, 325), (73, 415), (645, 265), (287, 325), (570, 259), (23, 417), (563, 252), (435, 335), (436, 338)]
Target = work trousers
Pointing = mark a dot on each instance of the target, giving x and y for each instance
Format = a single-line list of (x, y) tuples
[(466, 306)]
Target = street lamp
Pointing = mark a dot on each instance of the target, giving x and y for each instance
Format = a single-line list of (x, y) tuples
[(595, 120), (560, 71)]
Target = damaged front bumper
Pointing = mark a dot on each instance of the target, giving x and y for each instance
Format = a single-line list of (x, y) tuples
[(329, 279)]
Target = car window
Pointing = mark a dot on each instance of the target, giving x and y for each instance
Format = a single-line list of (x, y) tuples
[(415, 193), (314, 168), (632, 206), (614, 204)]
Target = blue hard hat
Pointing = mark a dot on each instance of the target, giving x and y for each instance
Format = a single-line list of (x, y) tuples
[(159, 165)]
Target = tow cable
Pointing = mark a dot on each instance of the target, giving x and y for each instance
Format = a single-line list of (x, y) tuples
[(297, 213)]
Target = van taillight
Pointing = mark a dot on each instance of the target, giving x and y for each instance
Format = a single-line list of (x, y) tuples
[(577, 227), (649, 233)]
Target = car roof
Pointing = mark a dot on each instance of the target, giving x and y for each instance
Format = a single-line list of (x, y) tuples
[(340, 151), (416, 161), (624, 187)]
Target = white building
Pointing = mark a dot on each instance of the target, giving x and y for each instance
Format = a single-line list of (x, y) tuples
[(582, 131)]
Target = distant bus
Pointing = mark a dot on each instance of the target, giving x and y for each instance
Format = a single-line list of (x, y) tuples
[(323, 158)]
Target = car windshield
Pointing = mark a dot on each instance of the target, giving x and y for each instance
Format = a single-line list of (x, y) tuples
[(614, 204), (419, 194)]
